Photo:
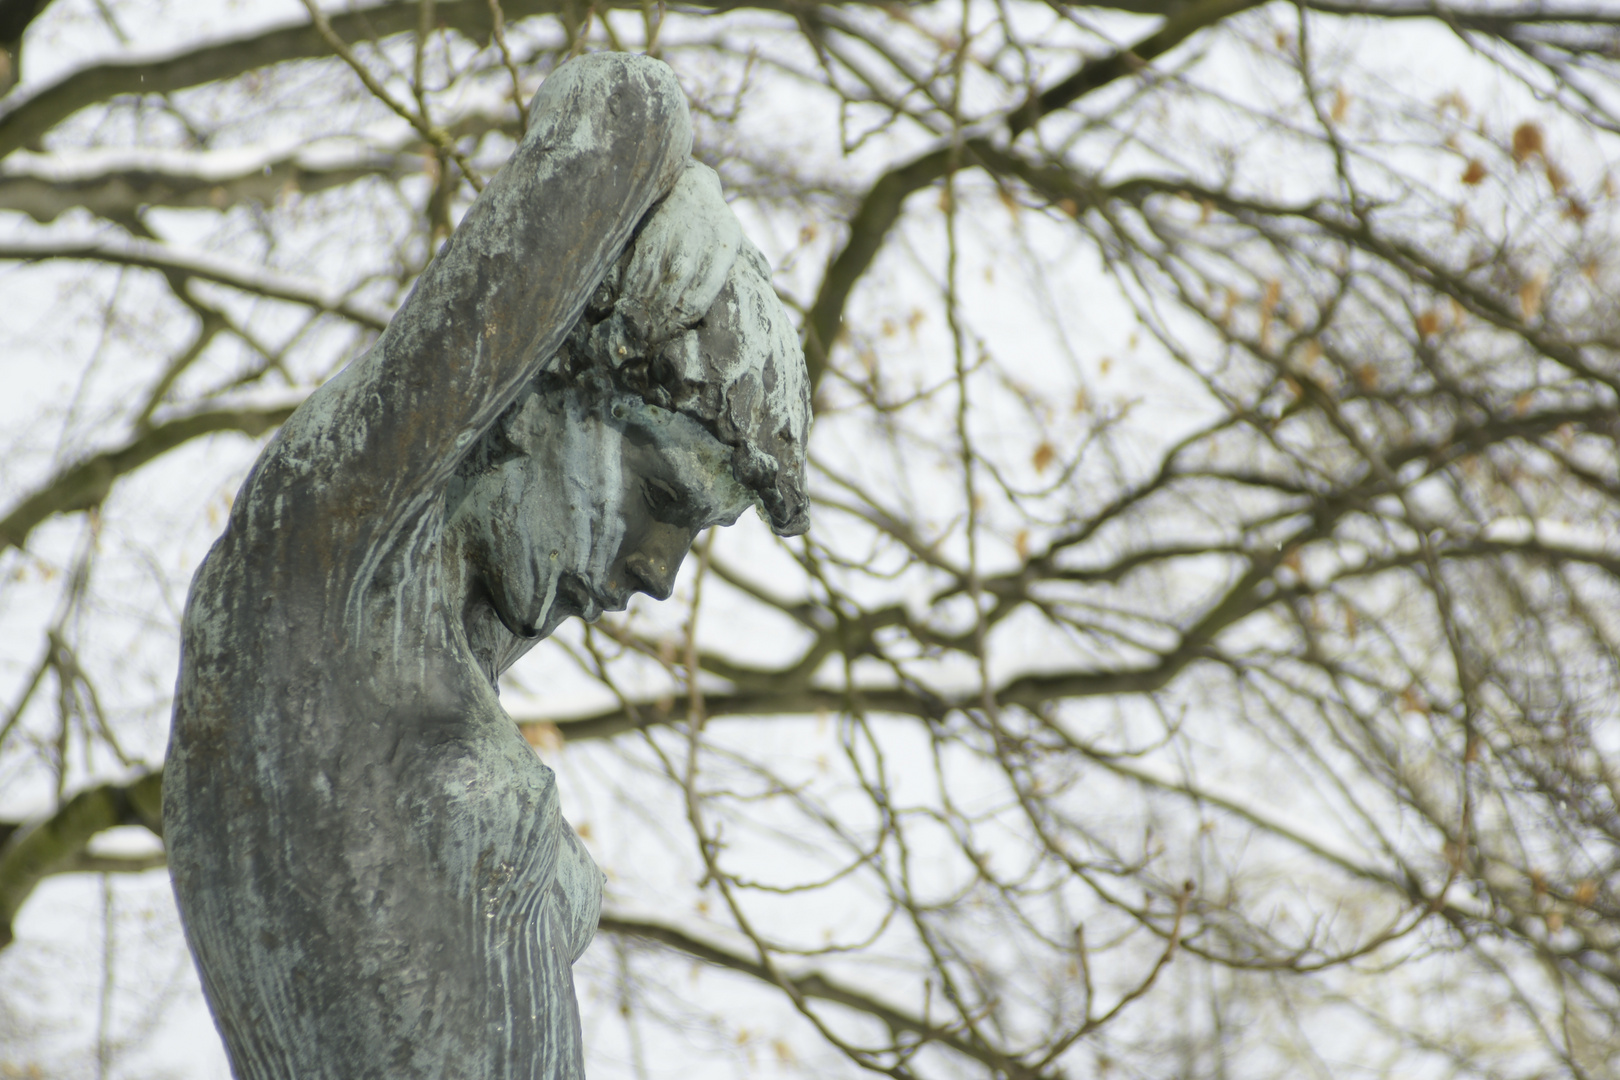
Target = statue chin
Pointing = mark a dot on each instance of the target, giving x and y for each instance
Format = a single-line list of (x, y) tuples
[(499, 638), (563, 598)]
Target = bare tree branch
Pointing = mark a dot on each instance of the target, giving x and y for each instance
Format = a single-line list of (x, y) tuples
[(15, 17), (154, 256), (813, 985), (881, 207), (87, 484), (23, 123), (116, 193), (32, 852)]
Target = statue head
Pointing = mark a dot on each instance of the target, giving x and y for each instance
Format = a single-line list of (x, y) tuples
[(679, 399)]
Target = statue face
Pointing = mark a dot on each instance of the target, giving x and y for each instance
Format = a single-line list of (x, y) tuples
[(600, 497)]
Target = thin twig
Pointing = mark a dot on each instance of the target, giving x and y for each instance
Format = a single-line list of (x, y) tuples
[(499, 34), (435, 135)]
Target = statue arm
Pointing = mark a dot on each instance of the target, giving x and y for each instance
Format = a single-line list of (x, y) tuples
[(610, 136)]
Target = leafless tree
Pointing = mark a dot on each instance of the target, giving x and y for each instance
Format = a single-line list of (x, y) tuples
[(1203, 662)]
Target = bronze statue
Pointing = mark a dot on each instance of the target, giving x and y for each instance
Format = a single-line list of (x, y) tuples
[(373, 872)]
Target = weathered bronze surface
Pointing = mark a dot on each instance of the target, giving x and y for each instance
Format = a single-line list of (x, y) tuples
[(373, 871)]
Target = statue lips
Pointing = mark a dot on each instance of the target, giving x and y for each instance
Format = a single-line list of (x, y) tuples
[(586, 601), (616, 601)]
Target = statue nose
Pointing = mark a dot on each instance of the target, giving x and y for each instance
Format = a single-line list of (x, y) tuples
[(656, 576), (657, 562)]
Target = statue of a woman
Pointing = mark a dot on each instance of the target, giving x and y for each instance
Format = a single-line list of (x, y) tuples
[(373, 872)]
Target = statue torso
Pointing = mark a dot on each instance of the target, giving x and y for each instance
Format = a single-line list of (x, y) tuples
[(370, 859)]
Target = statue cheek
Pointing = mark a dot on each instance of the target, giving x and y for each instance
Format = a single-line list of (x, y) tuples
[(593, 519), (561, 511)]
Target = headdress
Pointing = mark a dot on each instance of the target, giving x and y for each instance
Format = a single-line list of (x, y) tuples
[(688, 319)]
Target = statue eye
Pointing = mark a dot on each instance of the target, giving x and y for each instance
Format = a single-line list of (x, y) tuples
[(659, 495)]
